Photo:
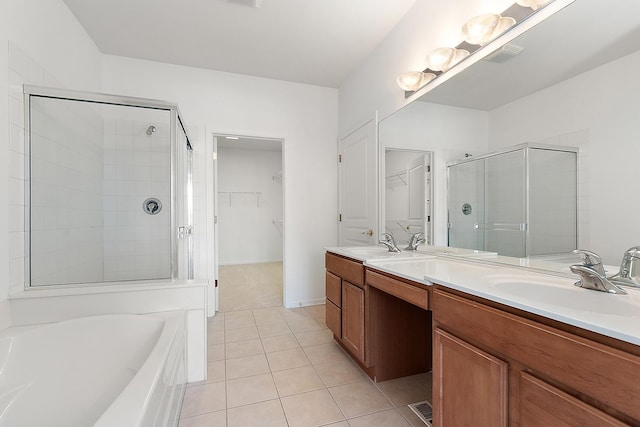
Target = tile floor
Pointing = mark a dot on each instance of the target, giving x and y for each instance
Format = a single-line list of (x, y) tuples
[(281, 367), (249, 286)]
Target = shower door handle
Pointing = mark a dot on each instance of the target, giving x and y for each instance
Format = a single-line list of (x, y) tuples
[(185, 232)]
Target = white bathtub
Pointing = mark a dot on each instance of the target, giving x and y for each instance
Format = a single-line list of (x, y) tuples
[(103, 371)]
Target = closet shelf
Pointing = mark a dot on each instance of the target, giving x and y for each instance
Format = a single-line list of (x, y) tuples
[(257, 194)]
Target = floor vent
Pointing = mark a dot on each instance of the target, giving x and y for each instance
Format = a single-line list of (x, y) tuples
[(423, 411)]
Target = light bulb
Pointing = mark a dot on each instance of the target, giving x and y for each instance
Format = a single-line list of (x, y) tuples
[(439, 59), (458, 56), (504, 24), (479, 30), (533, 4), (414, 80)]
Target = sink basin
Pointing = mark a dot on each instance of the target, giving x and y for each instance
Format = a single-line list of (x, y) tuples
[(446, 250), (558, 292), (381, 253)]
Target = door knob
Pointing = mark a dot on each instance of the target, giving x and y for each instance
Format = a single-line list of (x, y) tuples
[(369, 233)]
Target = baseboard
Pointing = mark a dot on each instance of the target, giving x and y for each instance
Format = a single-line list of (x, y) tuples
[(307, 303), (259, 261)]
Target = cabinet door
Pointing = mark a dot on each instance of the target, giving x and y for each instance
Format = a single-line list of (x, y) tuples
[(353, 319), (470, 386), (541, 404), (333, 316)]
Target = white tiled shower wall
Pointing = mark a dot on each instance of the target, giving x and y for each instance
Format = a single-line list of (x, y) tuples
[(126, 243), (66, 192), (137, 166), (22, 70)]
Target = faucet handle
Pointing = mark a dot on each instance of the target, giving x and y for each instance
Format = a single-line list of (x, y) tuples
[(591, 259)]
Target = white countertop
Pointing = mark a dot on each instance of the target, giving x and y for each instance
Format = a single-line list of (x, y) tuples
[(548, 295)]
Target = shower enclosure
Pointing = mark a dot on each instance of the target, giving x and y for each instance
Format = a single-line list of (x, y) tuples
[(521, 201), (108, 191)]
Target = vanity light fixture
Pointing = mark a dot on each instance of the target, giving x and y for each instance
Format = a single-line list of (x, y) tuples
[(443, 58), (414, 80), (484, 28), (533, 4), (476, 32)]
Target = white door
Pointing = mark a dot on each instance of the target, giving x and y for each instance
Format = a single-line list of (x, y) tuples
[(358, 187), (212, 224)]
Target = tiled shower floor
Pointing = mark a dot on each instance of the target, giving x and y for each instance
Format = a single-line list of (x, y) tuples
[(281, 367)]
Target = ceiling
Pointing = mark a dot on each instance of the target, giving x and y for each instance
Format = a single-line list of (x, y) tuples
[(305, 41)]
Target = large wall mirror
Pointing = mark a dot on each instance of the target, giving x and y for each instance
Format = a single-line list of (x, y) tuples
[(573, 84)]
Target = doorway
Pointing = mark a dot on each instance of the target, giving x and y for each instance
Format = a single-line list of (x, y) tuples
[(249, 229)]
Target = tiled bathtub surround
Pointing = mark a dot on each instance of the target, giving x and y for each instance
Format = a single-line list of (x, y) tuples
[(281, 367)]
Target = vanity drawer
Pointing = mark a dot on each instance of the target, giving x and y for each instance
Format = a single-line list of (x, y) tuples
[(414, 294), (334, 319), (334, 290), (348, 269)]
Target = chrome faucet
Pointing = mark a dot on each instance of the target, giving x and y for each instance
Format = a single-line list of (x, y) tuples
[(592, 274), (387, 240), (415, 240), (629, 273)]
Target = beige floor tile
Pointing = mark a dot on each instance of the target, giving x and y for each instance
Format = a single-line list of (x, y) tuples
[(340, 424), (359, 398), (287, 359), (245, 391), (273, 329), (215, 325), (315, 310), (307, 339), (215, 353), (230, 324), (215, 338), (247, 366), (265, 316), (280, 343), (216, 371), (240, 315), (325, 353), (322, 321), (339, 373), (403, 391), (388, 418), (241, 334), (217, 419), (304, 325), (263, 414), (411, 416), (204, 398), (243, 348), (296, 381), (311, 409)]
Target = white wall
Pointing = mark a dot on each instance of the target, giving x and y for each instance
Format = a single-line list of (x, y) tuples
[(448, 132), (44, 44), (304, 116), (428, 25), (598, 112), (247, 231)]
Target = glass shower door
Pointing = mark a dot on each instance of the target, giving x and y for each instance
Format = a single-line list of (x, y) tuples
[(505, 225), (466, 205), (184, 202)]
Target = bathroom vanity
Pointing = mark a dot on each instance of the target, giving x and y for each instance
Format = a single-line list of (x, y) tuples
[(506, 346)]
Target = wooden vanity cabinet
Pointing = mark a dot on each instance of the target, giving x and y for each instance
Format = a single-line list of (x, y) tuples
[(494, 365), (345, 305)]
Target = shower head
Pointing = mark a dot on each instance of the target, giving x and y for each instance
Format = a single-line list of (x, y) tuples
[(151, 129)]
